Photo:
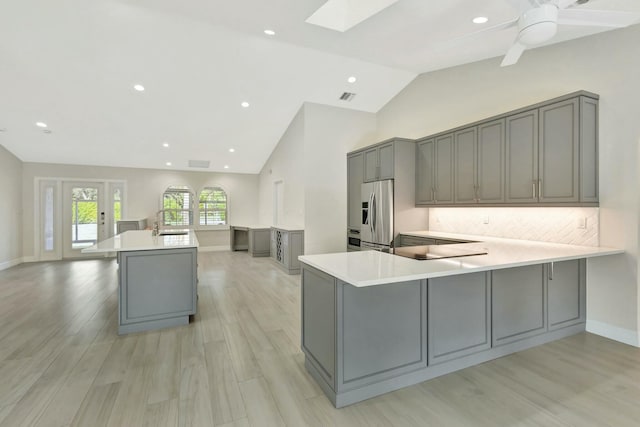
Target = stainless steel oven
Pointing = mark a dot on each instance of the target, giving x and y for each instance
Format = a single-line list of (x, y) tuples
[(353, 240)]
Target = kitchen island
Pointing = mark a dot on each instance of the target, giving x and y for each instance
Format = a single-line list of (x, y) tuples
[(157, 278), (374, 322)]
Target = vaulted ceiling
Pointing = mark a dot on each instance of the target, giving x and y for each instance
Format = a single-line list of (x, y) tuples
[(73, 65)]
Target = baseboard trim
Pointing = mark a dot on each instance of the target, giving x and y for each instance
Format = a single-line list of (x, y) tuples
[(11, 263), (213, 248), (616, 333)]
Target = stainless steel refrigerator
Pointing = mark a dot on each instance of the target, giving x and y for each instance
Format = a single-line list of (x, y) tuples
[(376, 228)]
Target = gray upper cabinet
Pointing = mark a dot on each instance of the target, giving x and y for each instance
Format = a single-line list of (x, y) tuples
[(490, 162), (522, 157), (378, 163), (558, 178), (355, 173), (466, 183), (545, 154), (434, 170), (479, 164)]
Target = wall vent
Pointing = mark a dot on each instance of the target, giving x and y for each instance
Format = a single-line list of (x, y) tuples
[(347, 96), (199, 164)]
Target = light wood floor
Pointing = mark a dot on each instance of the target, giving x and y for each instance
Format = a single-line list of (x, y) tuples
[(239, 363)]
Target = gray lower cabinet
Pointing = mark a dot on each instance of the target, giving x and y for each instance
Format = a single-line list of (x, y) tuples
[(519, 303), (286, 246), (360, 342), (158, 288), (130, 224), (259, 242), (459, 316), (566, 288)]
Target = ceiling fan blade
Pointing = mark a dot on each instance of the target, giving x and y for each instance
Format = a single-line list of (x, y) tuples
[(597, 18), (513, 54), (497, 27)]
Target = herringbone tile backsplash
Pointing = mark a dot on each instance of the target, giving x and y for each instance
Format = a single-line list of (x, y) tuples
[(559, 225)]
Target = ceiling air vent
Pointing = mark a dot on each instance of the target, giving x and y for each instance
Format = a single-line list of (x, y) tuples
[(347, 96), (199, 164)]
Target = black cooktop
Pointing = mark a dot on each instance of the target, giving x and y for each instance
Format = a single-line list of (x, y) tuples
[(437, 251)]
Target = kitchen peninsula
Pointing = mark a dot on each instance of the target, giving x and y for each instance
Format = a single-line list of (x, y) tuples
[(157, 278), (374, 322)]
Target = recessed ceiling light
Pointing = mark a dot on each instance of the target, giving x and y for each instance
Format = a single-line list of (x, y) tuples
[(226, 166), (351, 79), (480, 19), (165, 144), (41, 125), (270, 32), (168, 163), (231, 150), (139, 88), (245, 104)]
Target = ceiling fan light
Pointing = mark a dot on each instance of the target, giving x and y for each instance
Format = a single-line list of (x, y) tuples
[(538, 33)]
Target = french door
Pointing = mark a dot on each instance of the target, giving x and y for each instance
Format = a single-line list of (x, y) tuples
[(84, 217)]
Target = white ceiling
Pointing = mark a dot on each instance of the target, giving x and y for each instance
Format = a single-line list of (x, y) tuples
[(73, 65)]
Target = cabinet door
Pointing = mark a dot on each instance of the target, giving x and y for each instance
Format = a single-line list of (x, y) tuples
[(588, 149), (465, 166), (559, 153), (355, 173), (425, 164), (444, 170), (522, 158), (566, 289), (518, 303), (490, 163), (459, 316), (385, 161), (371, 165)]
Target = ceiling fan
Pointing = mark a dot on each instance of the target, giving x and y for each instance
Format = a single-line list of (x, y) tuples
[(539, 19)]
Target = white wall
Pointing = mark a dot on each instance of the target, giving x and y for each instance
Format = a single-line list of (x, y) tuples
[(144, 192), (285, 164), (311, 159), (10, 209), (330, 133), (606, 64)]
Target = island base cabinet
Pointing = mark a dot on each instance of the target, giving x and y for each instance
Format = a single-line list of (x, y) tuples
[(158, 289)]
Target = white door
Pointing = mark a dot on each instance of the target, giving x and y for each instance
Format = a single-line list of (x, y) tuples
[(48, 240), (84, 216)]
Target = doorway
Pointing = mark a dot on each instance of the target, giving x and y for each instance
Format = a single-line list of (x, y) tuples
[(84, 217)]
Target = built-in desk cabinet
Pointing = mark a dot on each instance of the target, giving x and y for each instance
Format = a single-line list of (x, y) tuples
[(286, 247), (544, 155)]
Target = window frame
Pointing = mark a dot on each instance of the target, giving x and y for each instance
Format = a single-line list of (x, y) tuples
[(179, 213), (211, 189)]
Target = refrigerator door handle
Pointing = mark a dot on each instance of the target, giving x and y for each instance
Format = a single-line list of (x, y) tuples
[(371, 214), (374, 223)]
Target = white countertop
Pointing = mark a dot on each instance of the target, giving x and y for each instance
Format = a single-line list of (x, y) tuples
[(143, 240), (251, 226), (368, 268)]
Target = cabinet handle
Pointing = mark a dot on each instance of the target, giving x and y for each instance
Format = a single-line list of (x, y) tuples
[(533, 186), (540, 188), (550, 271)]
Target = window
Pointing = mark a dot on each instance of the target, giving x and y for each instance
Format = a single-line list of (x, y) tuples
[(213, 206), (177, 206)]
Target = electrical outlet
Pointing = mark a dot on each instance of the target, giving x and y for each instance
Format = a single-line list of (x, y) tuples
[(485, 219), (582, 223)]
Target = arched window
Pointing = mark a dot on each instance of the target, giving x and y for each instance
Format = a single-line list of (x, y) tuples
[(177, 206), (213, 206)]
